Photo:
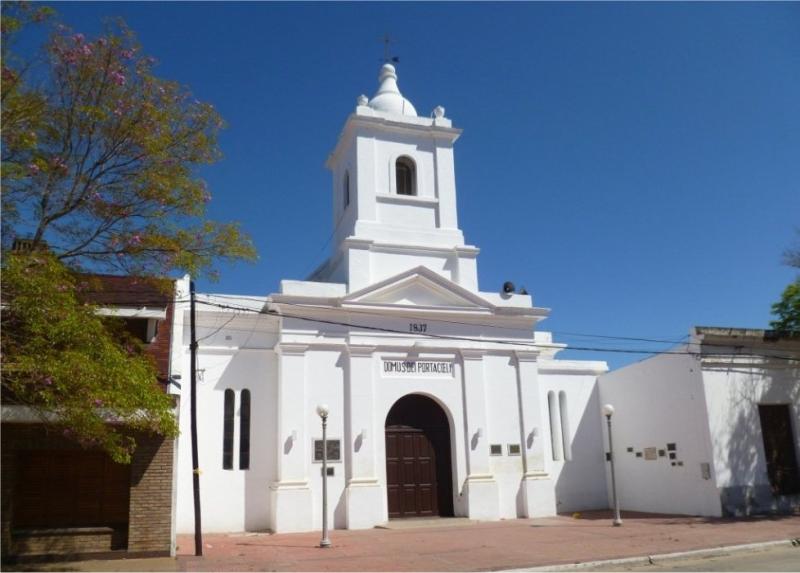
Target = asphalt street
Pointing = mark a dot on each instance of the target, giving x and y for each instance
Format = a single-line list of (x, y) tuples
[(784, 558)]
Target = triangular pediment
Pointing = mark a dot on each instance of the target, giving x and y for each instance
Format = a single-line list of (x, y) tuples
[(419, 287)]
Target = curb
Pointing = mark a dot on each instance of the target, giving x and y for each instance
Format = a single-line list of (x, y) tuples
[(652, 559)]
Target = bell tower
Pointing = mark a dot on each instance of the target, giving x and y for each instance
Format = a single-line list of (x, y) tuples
[(394, 194)]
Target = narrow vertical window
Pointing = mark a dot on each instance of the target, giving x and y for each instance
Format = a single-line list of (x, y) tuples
[(555, 430), (227, 431), (405, 176), (346, 189), (565, 437), (244, 431)]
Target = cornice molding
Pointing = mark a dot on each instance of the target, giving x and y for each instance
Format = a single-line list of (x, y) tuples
[(291, 349), (472, 353)]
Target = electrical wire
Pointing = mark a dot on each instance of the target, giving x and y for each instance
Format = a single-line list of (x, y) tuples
[(488, 340)]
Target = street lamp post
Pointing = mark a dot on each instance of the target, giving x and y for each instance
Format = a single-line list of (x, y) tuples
[(322, 410), (608, 411)]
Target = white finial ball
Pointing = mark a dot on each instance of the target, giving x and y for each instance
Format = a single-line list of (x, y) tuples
[(322, 410), (438, 111), (608, 410), (362, 100)]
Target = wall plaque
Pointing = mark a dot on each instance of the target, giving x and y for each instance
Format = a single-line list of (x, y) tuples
[(423, 368), (334, 451), (650, 453)]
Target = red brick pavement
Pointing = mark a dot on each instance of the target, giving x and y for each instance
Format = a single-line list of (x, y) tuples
[(482, 546)]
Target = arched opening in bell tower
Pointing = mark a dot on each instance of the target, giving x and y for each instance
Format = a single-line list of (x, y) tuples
[(406, 176)]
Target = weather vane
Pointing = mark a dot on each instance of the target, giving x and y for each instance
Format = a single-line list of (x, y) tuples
[(387, 59)]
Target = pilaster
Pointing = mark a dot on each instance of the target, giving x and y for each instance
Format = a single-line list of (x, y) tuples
[(291, 507), (483, 498), (538, 490), (363, 499)]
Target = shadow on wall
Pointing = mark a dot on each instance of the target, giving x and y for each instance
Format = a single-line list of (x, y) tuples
[(581, 484), (773, 382)]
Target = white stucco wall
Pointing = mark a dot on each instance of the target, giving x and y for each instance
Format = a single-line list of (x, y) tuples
[(580, 482), (734, 389), (659, 401), (503, 428), (231, 500)]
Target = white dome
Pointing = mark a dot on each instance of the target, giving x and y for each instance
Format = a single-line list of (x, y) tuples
[(389, 99)]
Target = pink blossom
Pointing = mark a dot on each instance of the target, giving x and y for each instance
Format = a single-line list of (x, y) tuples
[(61, 288), (102, 42), (127, 54), (118, 77), (78, 38), (58, 163), (48, 381), (98, 402), (136, 240), (33, 169), (86, 50)]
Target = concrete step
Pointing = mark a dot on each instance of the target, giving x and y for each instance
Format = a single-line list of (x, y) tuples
[(420, 522)]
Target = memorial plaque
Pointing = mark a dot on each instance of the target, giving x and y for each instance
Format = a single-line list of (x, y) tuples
[(334, 450), (651, 453)]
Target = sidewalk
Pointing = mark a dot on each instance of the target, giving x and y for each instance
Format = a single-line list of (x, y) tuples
[(481, 546)]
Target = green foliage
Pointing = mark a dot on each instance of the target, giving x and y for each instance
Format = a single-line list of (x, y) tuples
[(100, 157), (99, 170), (788, 309), (74, 369)]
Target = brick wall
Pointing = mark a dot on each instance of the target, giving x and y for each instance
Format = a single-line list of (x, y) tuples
[(150, 518), (149, 525)]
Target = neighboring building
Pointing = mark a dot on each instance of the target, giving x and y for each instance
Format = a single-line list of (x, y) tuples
[(443, 398), (712, 428), (61, 499)]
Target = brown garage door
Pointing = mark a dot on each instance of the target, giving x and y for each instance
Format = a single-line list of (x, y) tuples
[(70, 489)]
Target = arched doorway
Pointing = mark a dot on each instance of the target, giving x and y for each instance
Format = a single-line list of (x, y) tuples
[(419, 479)]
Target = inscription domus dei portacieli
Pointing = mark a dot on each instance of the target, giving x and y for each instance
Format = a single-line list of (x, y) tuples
[(417, 368)]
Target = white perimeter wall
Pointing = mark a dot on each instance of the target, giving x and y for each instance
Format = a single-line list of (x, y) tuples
[(733, 393), (660, 401), (231, 500), (580, 482)]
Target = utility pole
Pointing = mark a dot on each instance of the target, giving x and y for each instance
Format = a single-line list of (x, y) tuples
[(198, 534)]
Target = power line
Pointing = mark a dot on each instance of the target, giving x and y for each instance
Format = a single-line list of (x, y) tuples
[(488, 340), (374, 313)]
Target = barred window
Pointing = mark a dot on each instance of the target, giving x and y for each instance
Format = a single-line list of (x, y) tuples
[(244, 431), (227, 431)]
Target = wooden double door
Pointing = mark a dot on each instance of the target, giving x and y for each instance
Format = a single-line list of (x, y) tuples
[(418, 472)]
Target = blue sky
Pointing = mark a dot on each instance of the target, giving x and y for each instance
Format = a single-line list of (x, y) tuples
[(635, 166)]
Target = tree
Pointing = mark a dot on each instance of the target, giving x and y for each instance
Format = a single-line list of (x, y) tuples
[(100, 157), (787, 309), (72, 368), (99, 174)]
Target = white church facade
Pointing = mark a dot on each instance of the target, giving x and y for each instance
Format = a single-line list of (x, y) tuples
[(444, 400)]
